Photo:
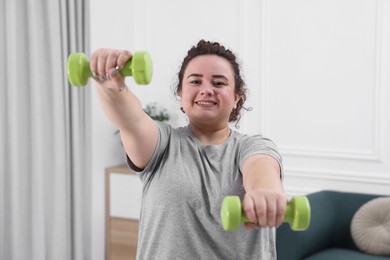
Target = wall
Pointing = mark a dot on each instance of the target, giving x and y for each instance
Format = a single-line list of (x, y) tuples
[(317, 73), (325, 93)]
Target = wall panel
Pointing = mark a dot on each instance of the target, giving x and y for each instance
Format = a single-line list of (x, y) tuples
[(323, 92)]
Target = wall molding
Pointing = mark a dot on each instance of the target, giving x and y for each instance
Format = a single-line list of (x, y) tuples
[(339, 175), (374, 154)]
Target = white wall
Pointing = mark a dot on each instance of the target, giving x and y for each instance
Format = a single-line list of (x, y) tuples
[(317, 73)]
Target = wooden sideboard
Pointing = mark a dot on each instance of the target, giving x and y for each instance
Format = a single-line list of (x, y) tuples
[(123, 201)]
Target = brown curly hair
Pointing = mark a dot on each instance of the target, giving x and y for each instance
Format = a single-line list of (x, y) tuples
[(214, 48)]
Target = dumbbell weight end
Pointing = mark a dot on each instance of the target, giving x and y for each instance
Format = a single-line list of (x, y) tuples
[(139, 67), (78, 69)]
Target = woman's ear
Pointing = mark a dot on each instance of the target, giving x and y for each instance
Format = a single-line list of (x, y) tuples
[(238, 97)]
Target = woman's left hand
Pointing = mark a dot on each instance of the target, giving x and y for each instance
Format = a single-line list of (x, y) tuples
[(264, 208)]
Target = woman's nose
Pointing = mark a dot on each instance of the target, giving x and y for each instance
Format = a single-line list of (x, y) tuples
[(207, 90)]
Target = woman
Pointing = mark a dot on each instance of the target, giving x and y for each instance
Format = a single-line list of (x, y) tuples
[(186, 172)]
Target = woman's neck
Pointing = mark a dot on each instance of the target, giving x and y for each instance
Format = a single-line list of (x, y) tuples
[(210, 135)]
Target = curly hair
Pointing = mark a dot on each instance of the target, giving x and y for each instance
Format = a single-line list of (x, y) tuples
[(214, 48)]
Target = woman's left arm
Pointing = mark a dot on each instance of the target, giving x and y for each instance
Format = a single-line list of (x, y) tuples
[(264, 202)]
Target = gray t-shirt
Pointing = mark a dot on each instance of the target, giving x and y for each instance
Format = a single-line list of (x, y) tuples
[(183, 187)]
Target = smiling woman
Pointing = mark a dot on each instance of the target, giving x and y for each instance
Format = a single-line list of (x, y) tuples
[(186, 172)]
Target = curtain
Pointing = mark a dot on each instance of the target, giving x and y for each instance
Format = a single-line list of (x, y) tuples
[(45, 175)]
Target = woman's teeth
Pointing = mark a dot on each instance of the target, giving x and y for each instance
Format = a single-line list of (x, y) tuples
[(205, 103)]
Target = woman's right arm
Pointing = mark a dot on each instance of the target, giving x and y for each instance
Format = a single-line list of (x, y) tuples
[(137, 130)]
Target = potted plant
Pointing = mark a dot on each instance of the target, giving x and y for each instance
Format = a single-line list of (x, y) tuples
[(156, 112)]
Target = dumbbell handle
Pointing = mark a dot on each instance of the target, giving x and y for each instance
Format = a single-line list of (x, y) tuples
[(297, 213), (287, 216), (126, 71)]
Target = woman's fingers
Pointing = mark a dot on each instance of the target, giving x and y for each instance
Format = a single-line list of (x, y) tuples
[(249, 209), (281, 210), (104, 60), (269, 218), (111, 62), (264, 208), (101, 65), (105, 64), (123, 57), (93, 63)]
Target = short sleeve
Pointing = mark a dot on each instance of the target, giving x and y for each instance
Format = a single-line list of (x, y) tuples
[(164, 131), (257, 144)]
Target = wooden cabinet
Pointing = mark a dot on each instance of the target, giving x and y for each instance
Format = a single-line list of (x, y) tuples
[(123, 203)]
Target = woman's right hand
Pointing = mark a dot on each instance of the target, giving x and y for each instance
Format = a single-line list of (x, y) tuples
[(105, 64)]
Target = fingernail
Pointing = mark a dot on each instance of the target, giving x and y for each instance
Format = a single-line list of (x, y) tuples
[(114, 72), (118, 67), (107, 76), (101, 78), (94, 74)]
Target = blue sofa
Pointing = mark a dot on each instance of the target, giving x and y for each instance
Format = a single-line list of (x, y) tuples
[(329, 236)]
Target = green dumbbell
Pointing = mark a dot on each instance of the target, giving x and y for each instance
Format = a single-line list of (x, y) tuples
[(297, 213), (140, 67)]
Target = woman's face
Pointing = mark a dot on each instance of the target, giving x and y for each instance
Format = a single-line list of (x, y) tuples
[(208, 90)]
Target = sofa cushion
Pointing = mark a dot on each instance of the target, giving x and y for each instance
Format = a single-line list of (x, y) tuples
[(370, 227)]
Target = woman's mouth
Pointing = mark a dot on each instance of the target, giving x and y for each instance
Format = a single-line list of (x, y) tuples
[(205, 103)]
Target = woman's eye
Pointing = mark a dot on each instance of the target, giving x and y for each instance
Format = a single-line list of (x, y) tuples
[(195, 82), (219, 83)]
